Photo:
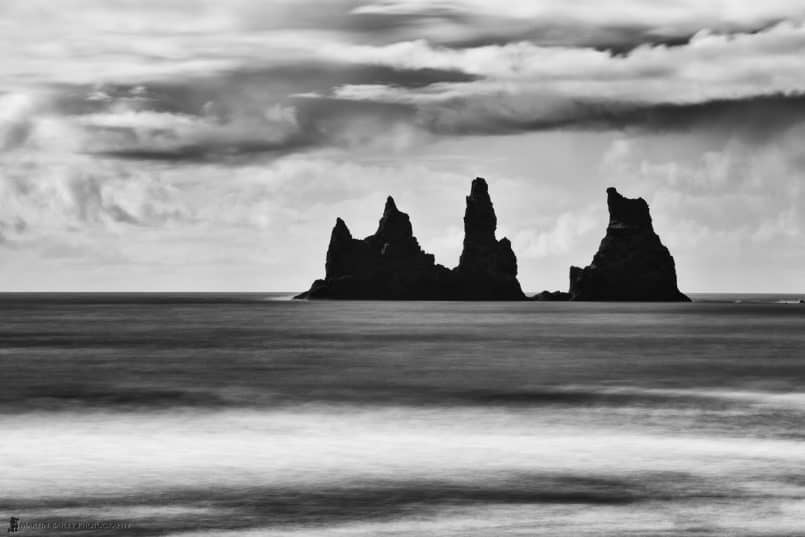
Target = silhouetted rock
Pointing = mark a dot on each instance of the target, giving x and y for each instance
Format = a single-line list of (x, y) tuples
[(487, 269), (387, 265), (390, 265), (631, 264), (551, 296)]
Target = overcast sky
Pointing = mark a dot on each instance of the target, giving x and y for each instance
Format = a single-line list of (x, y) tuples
[(210, 145)]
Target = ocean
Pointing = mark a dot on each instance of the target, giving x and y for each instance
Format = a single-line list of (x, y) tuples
[(255, 415)]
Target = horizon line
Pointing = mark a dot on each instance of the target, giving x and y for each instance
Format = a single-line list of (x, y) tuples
[(256, 292)]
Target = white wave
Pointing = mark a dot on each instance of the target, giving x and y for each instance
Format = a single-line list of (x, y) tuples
[(64, 455)]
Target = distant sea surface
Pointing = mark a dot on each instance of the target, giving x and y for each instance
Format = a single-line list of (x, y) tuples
[(252, 414)]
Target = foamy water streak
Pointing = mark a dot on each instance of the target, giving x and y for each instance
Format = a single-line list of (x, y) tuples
[(111, 454)]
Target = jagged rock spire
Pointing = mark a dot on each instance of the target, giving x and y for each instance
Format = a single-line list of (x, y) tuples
[(480, 221), (340, 231), (394, 225), (487, 268), (339, 250)]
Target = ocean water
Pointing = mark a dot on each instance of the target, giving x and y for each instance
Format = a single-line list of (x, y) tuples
[(249, 415)]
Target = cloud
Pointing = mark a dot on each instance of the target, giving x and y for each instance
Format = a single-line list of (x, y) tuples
[(240, 114), (159, 135), (527, 86), (171, 140), (208, 92), (618, 26), (670, 14), (560, 238)]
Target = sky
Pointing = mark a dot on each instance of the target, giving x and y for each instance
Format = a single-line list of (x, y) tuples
[(199, 145)]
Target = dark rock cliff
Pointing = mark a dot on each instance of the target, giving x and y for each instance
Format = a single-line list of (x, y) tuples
[(631, 263)]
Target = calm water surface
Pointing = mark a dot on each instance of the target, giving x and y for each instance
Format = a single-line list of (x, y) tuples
[(252, 415)]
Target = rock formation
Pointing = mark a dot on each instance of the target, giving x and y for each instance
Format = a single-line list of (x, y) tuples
[(390, 265), (631, 264), (487, 269)]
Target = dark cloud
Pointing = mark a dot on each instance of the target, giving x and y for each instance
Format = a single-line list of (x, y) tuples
[(212, 152), (231, 115), (758, 118), (618, 39), (319, 121), (245, 87), (387, 27), (624, 40), (250, 88), (324, 116), (328, 121)]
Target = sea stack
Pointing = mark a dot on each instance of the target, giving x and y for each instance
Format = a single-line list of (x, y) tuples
[(389, 265), (487, 269), (631, 264)]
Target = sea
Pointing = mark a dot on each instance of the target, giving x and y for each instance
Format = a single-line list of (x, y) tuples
[(256, 415)]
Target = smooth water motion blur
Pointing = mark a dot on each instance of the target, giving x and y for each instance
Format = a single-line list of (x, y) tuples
[(248, 415)]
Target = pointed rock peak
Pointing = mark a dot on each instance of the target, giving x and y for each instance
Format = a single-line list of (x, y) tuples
[(339, 251), (340, 231), (626, 212), (480, 221), (479, 188), (391, 207), (394, 224)]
